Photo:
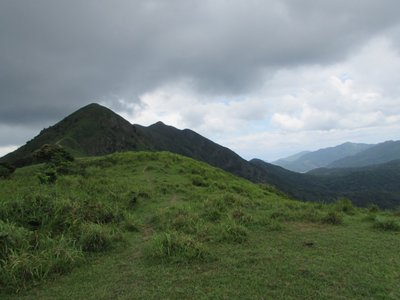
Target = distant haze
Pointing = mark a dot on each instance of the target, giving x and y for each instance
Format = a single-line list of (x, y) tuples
[(265, 78)]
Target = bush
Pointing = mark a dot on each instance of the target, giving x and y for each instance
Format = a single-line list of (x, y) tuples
[(344, 205), (6, 170), (70, 168), (373, 208), (387, 224), (49, 176), (332, 218), (52, 154), (199, 181)]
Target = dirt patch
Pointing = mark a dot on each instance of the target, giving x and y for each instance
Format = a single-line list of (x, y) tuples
[(174, 198), (147, 232), (305, 227)]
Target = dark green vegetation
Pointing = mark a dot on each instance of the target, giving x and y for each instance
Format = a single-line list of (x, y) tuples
[(96, 130), (364, 186), (151, 225), (6, 170), (321, 158)]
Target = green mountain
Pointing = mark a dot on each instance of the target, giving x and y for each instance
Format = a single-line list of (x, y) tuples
[(156, 225), (378, 154), (191, 144), (95, 130), (320, 158), (91, 130)]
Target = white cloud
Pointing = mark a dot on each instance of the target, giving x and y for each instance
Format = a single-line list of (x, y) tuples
[(7, 149), (296, 109)]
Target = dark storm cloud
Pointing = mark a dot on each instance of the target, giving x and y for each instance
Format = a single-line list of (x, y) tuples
[(56, 56)]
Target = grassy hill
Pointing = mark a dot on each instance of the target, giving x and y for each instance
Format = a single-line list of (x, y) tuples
[(158, 225), (96, 130)]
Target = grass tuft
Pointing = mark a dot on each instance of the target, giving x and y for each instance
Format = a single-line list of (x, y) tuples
[(176, 247)]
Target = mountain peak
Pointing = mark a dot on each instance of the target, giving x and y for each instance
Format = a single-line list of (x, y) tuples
[(158, 123), (91, 130)]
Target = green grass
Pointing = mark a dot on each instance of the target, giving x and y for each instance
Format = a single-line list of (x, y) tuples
[(158, 225)]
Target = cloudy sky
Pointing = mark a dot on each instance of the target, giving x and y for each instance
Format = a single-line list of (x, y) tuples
[(265, 78)]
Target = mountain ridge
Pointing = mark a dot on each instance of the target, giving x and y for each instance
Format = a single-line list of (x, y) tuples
[(322, 157), (378, 154), (95, 130)]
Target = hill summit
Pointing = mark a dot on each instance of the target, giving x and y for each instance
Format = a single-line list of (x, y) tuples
[(90, 131)]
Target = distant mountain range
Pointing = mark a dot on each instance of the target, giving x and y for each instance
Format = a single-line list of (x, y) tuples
[(378, 154), (306, 161), (96, 130)]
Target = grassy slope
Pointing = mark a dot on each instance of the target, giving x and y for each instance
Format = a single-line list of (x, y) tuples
[(204, 233)]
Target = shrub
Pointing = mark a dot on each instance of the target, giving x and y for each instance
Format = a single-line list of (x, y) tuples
[(70, 168), (130, 224), (332, 218), (176, 247), (6, 170), (52, 154), (344, 205), (48, 176), (386, 224), (373, 208), (199, 181)]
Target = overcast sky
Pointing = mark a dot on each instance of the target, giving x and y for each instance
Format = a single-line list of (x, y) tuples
[(265, 78)]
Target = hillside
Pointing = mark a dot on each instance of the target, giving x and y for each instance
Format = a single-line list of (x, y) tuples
[(159, 225), (379, 183), (91, 130), (378, 154), (191, 144), (322, 157), (96, 130), (364, 186), (290, 158)]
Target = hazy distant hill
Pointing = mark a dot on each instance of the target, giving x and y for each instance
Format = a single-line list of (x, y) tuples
[(290, 158), (320, 158), (378, 154)]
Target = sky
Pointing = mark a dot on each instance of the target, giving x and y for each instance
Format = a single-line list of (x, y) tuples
[(264, 78)]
